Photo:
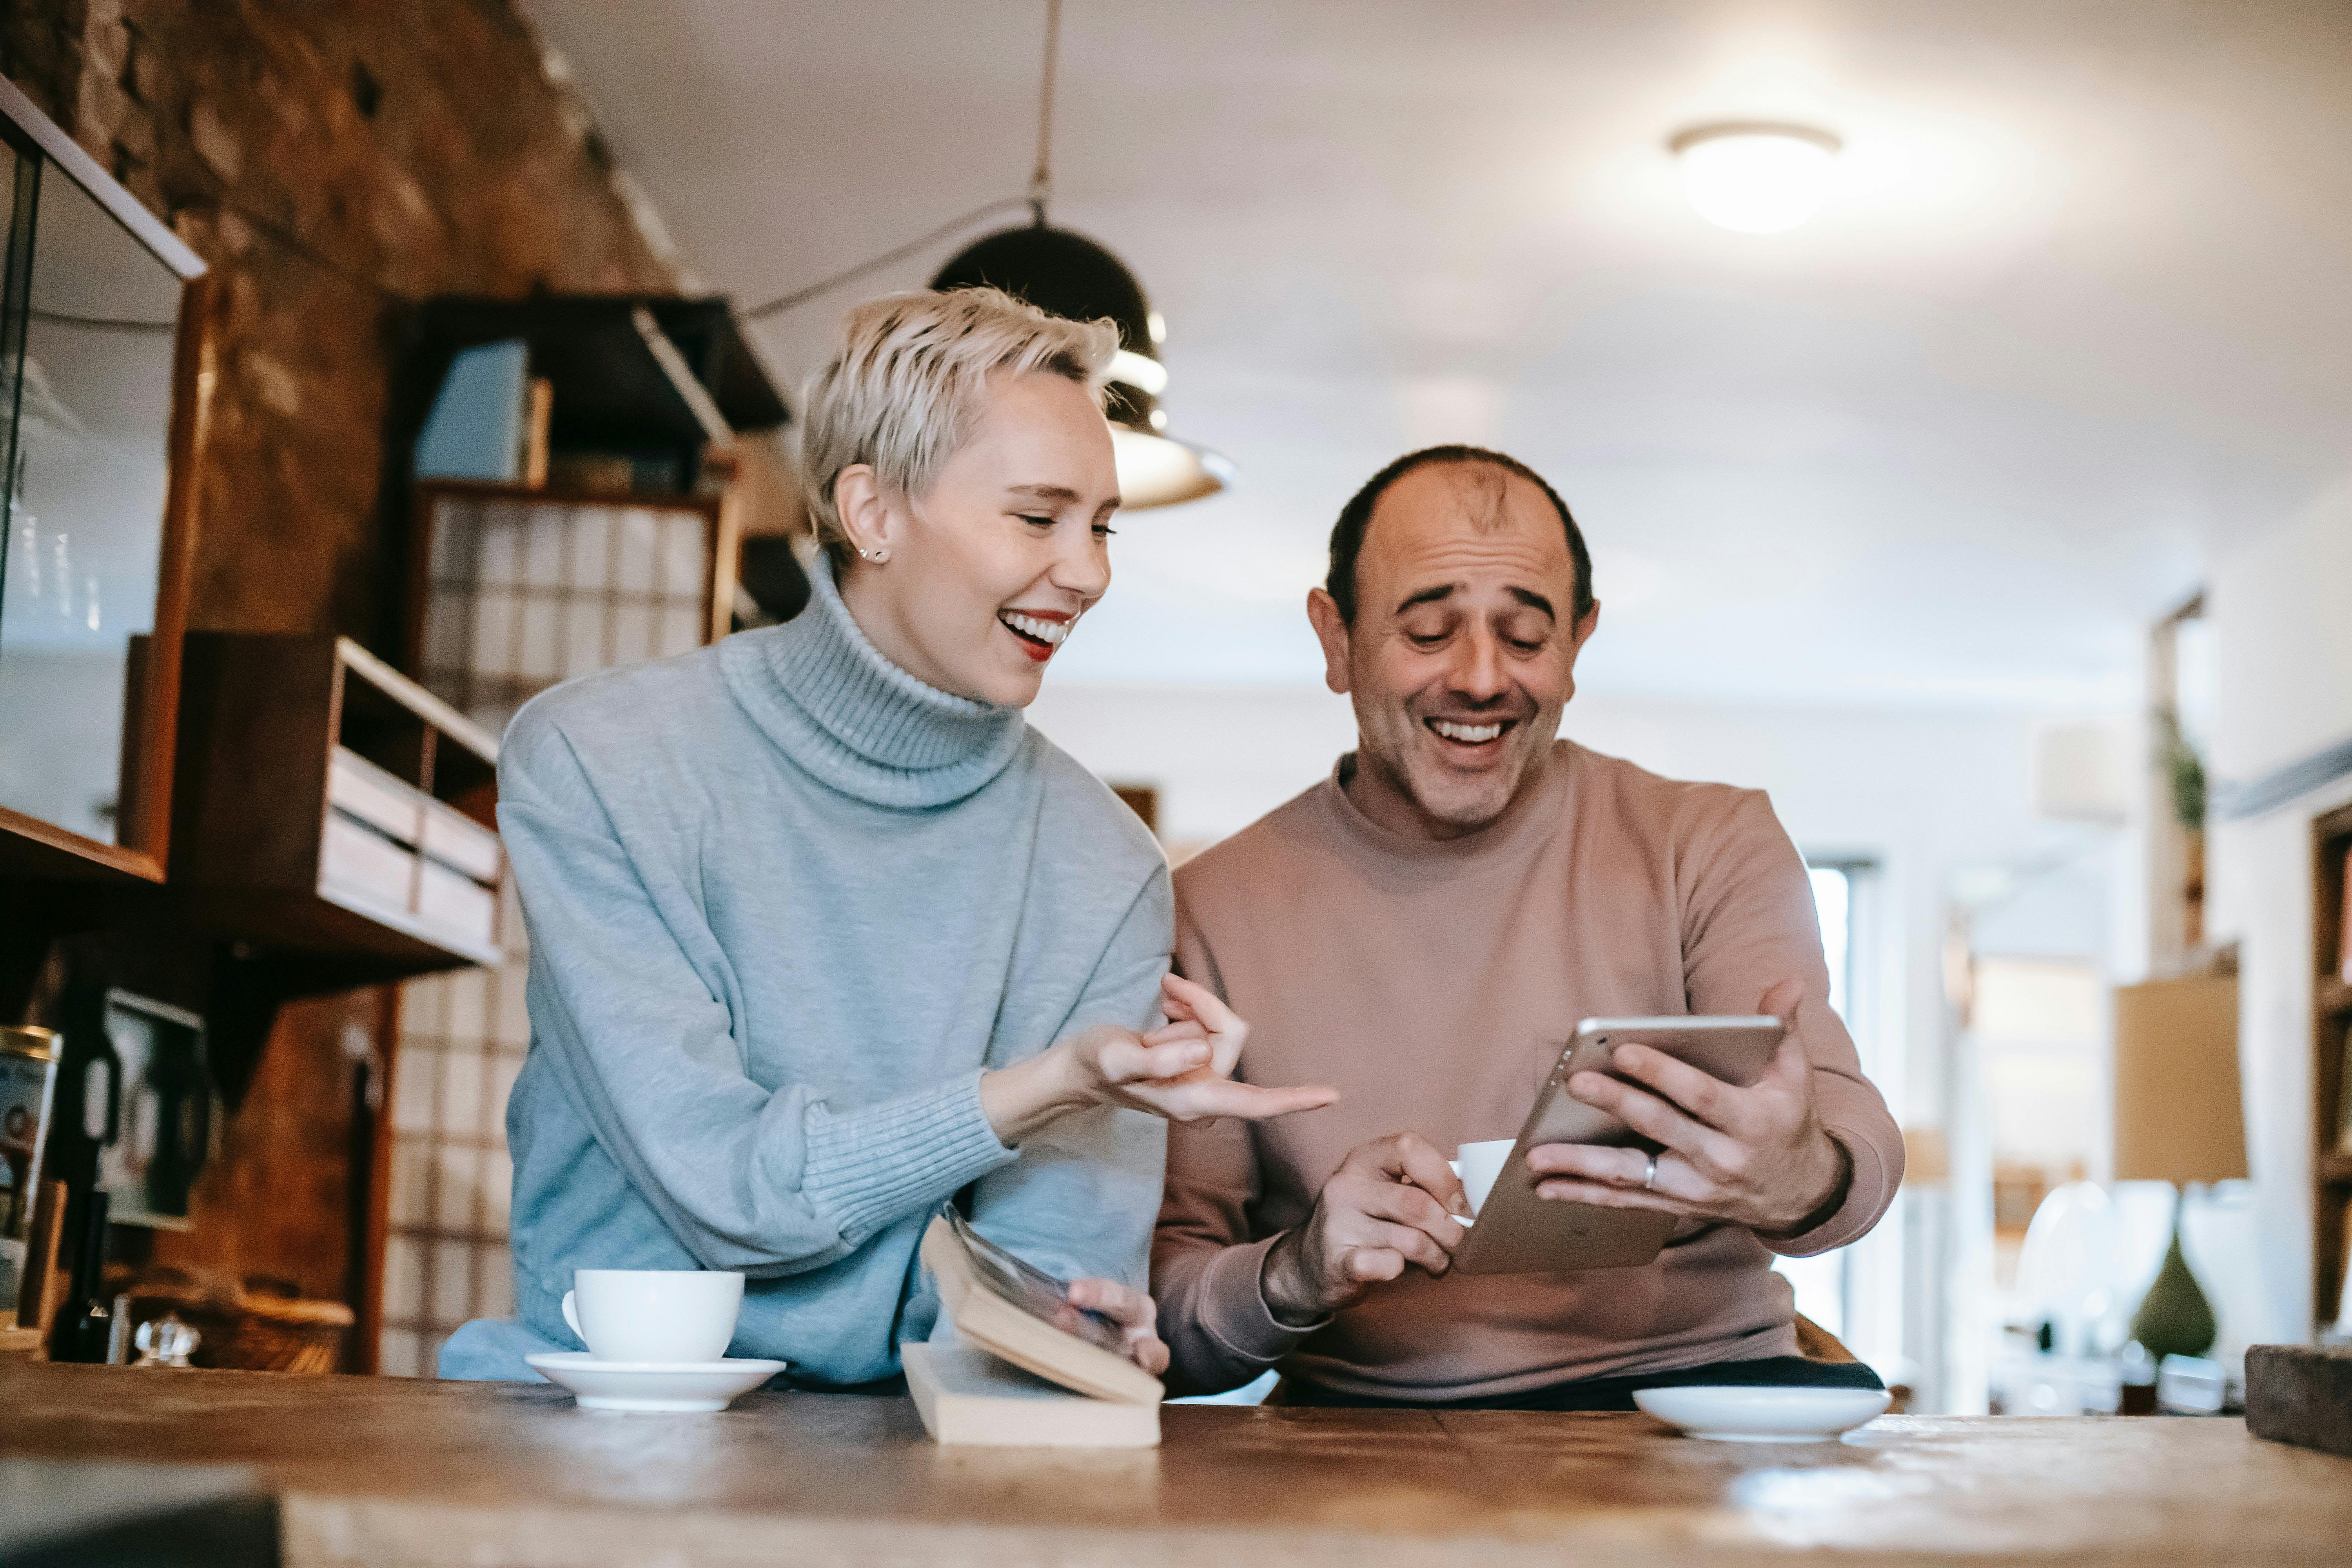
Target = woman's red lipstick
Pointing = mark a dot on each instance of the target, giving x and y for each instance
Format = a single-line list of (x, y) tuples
[(1043, 632)]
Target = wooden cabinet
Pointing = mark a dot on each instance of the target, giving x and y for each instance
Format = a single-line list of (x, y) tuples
[(108, 339), (330, 811)]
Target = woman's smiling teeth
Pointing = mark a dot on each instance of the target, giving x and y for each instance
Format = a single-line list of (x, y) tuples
[(1036, 628), (1468, 734)]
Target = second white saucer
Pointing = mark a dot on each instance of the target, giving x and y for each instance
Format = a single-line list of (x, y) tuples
[(652, 1386), (1764, 1414)]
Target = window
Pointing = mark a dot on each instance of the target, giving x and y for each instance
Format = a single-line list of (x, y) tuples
[(1820, 1282)]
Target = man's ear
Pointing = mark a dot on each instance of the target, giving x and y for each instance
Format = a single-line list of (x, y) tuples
[(1578, 636), (1331, 631), (1587, 625)]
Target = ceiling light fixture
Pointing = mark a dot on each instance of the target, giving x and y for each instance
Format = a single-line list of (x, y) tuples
[(1756, 176), (1066, 274)]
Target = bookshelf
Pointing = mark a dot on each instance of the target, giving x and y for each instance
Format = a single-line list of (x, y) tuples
[(2331, 1018)]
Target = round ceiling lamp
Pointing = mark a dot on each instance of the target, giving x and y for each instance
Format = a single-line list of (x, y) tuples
[(1066, 274), (1754, 176)]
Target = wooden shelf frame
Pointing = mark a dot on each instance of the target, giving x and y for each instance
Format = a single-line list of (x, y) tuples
[(2331, 840), (275, 728), (2334, 996)]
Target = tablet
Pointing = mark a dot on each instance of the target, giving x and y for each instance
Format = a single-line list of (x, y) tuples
[(1023, 1315), (1517, 1232), (1019, 1283)]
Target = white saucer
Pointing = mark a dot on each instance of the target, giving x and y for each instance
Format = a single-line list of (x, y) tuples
[(1731, 1414), (651, 1384)]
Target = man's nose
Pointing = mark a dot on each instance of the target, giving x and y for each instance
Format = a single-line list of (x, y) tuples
[(1478, 673)]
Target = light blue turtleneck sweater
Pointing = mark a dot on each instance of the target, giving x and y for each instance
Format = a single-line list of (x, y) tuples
[(784, 903)]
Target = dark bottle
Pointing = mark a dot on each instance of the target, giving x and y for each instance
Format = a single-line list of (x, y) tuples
[(87, 1334)]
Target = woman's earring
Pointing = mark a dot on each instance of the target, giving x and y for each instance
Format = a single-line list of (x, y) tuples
[(878, 556)]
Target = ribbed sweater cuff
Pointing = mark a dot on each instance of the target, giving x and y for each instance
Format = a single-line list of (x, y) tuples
[(1866, 1197), (869, 1167), (1233, 1310)]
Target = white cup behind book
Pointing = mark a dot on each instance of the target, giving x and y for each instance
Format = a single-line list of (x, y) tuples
[(1478, 1164), (672, 1316)]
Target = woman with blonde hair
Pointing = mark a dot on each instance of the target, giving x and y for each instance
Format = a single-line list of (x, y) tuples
[(823, 934)]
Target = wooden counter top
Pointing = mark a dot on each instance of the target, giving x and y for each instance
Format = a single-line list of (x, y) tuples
[(384, 1470)]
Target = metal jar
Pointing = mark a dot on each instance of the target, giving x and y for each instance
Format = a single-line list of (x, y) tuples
[(28, 1081)]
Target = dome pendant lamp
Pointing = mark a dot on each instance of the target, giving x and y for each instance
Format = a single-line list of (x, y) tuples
[(1066, 274)]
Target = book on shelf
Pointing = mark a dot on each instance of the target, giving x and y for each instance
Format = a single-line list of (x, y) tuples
[(1052, 1374), (2344, 922), (2342, 1332), (2344, 1092)]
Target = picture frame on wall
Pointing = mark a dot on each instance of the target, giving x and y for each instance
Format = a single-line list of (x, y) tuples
[(150, 1096)]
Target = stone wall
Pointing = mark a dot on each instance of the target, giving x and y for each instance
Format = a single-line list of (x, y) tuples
[(334, 162)]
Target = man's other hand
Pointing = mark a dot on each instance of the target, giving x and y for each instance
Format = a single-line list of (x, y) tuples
[(1391, 1204), (1757, 1156)]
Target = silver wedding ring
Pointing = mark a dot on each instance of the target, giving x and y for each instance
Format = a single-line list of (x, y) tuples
[(1650, 1177)]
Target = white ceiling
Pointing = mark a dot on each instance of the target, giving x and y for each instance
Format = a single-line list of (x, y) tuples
[(2077, 313)]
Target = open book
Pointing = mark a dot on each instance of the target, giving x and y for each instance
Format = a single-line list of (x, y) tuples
[(1022, 1315)]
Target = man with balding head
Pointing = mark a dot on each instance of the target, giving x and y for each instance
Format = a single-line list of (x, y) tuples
[(1423, 930)]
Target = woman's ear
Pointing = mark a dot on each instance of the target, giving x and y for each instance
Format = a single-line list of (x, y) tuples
[(864, 515)]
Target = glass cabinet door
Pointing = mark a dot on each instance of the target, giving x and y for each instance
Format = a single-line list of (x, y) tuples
[(86, 354)]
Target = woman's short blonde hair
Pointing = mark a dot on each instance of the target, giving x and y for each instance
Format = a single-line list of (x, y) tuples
[(903, 390)]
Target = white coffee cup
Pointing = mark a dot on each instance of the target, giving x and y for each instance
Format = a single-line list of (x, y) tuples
[(1478, 1164), (685, 1315)]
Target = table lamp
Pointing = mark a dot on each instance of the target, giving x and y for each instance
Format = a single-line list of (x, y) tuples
[(2178, 1119)]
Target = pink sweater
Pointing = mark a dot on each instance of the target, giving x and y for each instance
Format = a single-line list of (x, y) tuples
[(1434, 984)]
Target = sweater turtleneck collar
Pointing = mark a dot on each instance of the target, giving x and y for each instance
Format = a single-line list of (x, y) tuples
[(824, 693)]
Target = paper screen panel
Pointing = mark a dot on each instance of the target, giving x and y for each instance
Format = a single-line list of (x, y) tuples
[(520, 594)]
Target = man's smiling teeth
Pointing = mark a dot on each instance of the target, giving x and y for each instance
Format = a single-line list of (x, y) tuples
[(1049, 632), (1469, 734)]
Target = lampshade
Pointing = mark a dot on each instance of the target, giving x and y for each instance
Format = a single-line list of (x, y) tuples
[(2178, 1116), (1066, 274)]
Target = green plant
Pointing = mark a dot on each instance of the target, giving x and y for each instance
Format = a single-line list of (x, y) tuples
[(2183, 768)]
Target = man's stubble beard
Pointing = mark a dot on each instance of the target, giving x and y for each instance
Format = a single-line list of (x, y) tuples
[(1408, 763)]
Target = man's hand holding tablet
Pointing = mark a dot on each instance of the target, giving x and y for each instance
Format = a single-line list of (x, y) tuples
[(1757, 1156)]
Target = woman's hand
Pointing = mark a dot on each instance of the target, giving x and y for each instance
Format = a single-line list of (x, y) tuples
[(1135, 1313), (1181, 1070)]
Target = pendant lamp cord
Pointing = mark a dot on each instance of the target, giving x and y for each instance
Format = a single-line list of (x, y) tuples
[(1040, 181), (1041, 192)]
